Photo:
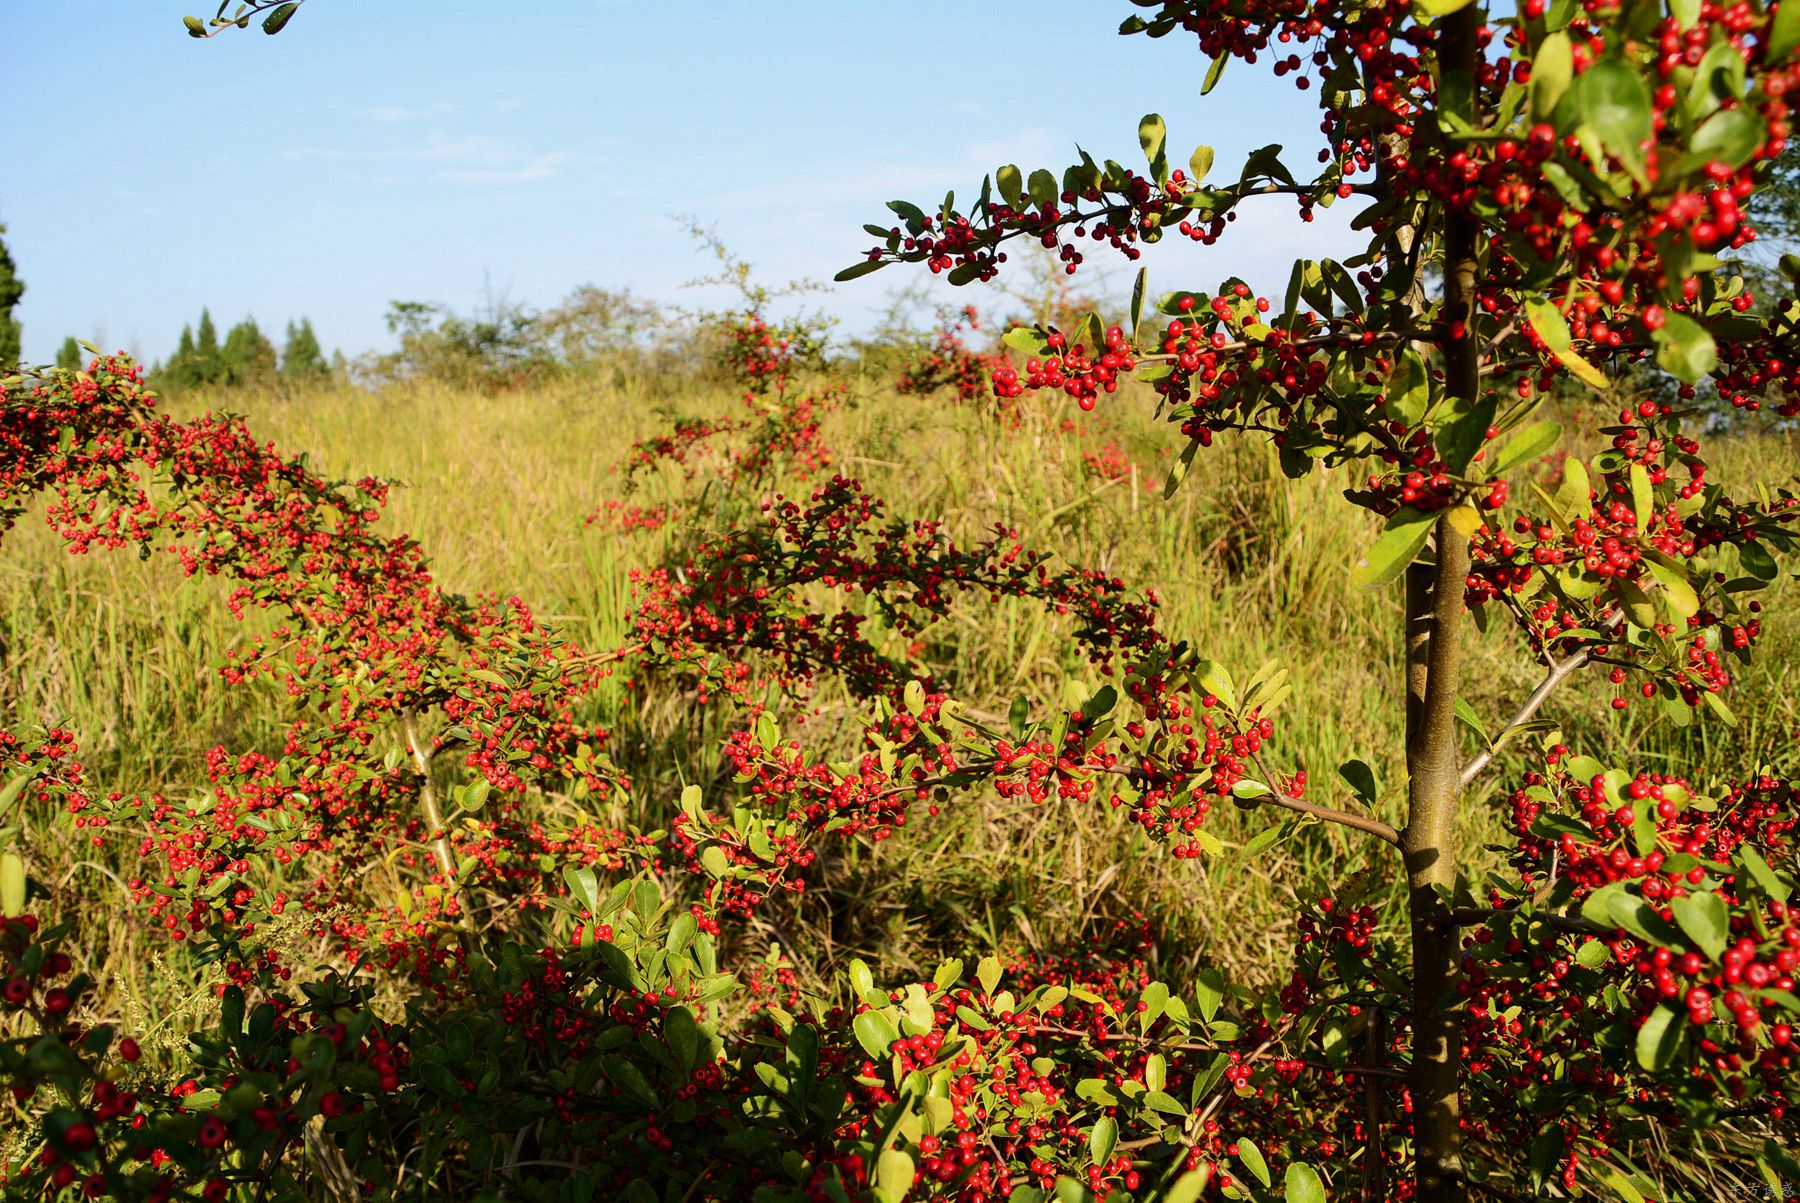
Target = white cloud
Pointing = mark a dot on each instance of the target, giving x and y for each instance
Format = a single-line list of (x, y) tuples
[(1027, 147), (541, 168), (441, 148), (471, 159), (393, 114)]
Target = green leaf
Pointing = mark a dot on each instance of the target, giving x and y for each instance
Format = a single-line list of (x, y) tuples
[(1043, 189), (1209, 992), (1677, 590), (1642, 499), (17, 785), (1214, 69), (1717, 705), (1103, 1140), (714, 860), (1179, 469), (1660, 1038), (1572, 495), (1168, 1104), (1408, 394), (1546, 1155), (911, 214), (1152, 136), (1303, 1184), (585, 887), (1530, 443), (858, 270), (1753, 557), (1215, 678), (1460, 435), (1018, 717), (1187, 1188), (1101, 704), (894, 1174), (1705, 920), (1772, 883), (1252, 1157), (1399, 544), (1782, 1160), (1615, 103), (987, 972), (1731, 136), (681, 932), (1783, 34), (276, 21), (876, 1033), (1685, 349), (1263, 840), (1012, 186), (12, 885), (1621, 1186), (1339, 280), (1199, 163), (1467, 715), (1638, 917), (1554, 330), (1361, 780), (682, 1034), (1551, 72), (1026, 340)]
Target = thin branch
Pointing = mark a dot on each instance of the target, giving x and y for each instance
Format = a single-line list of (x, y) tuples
[(1473, 916), (428, 799), (1559, 672), (1374, 827)]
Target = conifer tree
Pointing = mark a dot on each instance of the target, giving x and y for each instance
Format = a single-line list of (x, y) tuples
[(247, 355), (180, 372), (11, 290), (69, 354), (208, 367), (302, 357)]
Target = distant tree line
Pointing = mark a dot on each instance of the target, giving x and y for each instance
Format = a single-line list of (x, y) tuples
[(11, 290), (505, 345), (245, 357)]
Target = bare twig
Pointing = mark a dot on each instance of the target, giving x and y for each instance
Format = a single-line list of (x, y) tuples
[(440, 838), (1559, 671)]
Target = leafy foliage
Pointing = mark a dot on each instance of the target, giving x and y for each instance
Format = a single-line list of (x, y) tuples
[(574, 1007)]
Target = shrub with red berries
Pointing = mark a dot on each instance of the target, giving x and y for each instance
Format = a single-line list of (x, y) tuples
[(433, 967)]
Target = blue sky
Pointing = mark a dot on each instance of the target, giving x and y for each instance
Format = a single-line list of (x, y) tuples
[(432, 149)]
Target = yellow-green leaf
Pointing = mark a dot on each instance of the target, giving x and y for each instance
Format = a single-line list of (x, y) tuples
[(894, 1174), (1551, 72), (12, 885), (1530, 443), (1660, 1038), (1399, 544), (1199, 163)]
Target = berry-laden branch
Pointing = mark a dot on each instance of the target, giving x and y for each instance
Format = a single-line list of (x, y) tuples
[(275, 15), (1574, 175)]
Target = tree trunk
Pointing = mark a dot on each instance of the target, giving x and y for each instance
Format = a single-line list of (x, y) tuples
[(1434, 613)]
